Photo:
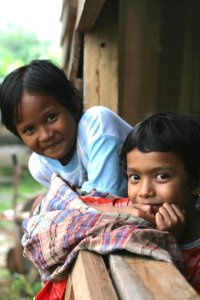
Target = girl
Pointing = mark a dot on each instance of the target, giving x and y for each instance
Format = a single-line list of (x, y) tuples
[(40, 106)]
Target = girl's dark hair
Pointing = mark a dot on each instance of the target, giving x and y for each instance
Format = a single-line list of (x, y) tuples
[(167, 132), (37, 77)]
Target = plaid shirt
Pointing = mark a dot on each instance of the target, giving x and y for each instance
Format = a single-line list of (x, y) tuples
[(63, 224)]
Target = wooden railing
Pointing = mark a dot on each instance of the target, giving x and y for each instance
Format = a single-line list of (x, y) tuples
[(126, 277)]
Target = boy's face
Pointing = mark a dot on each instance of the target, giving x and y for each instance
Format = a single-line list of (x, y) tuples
[(155, 178), (47, 127)]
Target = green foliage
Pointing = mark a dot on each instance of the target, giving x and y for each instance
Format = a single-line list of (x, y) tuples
[(19, 288), (22, 289), (18, 47), (27, 186)]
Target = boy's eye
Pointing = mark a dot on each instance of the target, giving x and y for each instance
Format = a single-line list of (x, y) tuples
[(134, 178), (51, 117), (162, 177)]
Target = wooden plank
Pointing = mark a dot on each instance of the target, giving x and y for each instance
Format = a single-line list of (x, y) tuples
[(71, 68), (90, 278), (69, 293), (100, 66), (139, 55), (88, 12), (179, 88), (139, 278), (171, 56), (190, 69), (68, 19)]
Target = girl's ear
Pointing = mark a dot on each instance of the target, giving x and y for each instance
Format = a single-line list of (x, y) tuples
[(79, 107)]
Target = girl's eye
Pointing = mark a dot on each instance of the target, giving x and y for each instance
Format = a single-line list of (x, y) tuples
[(51, 117), (28, 130), (162, 177), (134, 178)]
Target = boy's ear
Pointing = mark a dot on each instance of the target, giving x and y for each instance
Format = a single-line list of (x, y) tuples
[(196, 191)]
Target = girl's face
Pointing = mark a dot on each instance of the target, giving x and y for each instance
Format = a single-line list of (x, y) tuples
[(47, 127), (155, 178)]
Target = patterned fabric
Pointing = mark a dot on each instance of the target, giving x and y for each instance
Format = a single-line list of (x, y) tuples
[(63, 225), (191, 256)]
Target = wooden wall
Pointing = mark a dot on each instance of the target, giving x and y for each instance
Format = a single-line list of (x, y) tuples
[(134, 56)]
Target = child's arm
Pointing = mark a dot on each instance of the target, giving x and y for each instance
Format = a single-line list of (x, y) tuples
[(138, 210), (36, 202), (171, 218)]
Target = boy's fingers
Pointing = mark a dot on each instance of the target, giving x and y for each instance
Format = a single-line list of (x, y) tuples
[(139, 212), (160, 221), (174, 212)]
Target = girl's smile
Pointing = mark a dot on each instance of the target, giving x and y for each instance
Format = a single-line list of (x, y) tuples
[(46, 127)]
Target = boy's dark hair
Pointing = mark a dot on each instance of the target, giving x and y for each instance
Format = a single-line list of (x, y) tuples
[(37, 77), (167, 132)]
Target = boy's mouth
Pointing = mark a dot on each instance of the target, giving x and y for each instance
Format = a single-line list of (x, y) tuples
[(151, 209), (155, 208)]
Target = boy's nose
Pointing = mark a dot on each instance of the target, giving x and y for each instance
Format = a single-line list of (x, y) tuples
[(146, 189)]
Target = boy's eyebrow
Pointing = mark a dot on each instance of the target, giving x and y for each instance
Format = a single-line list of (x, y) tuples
[(161, 168)]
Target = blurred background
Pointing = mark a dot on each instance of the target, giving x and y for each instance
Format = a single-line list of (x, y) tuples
[(28, 30)]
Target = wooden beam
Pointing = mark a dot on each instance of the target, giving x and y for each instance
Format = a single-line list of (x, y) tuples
[(100, 67), (69, 292), (88, 12), (139, 278), (139, 55), (68, 19), (90, 278), (74, 57)]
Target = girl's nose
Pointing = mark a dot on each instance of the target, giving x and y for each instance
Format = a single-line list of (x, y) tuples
[(146, 189), (44, 134)]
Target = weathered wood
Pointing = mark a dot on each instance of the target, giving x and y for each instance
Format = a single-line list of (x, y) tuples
[(88, 12), (90, 278), (100, 66), (69, 293), (74, 57), (190, 68), (139, 55), (68, 18), (139, 278)]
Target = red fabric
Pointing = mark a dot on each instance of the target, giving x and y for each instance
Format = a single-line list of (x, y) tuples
[(52, 291)]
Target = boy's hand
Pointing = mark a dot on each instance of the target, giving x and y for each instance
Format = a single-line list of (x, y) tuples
[(137, 210), (171, 218), (140, 210)]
